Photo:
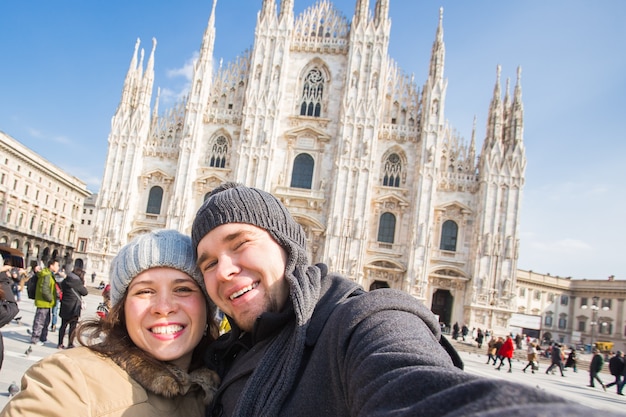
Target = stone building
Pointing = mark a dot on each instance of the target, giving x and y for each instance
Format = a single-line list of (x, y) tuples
[(318, 114), (574, 311), (85, 233), (40, 205)]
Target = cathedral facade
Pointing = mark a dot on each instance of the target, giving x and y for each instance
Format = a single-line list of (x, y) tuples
[(319, 115)]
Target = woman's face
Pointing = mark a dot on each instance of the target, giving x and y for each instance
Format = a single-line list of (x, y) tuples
[(166, 314)]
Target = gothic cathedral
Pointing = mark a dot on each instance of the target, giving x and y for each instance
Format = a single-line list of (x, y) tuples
[(319, 115)]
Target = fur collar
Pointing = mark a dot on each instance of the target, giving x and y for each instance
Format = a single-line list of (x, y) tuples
[(166, 379)]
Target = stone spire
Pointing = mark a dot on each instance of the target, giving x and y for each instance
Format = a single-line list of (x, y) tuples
[(438, 54)]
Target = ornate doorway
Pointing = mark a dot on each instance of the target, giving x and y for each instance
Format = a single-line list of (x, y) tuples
[(442, 306)]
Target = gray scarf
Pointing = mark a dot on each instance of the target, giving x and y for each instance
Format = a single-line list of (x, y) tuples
[(273, 378)]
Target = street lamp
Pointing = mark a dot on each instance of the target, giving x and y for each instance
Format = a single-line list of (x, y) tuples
[(594, 315)]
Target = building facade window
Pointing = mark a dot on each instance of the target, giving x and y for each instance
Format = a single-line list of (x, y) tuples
[(155, 198), (581, 326), (548, 320), (449, 232), (606, 304), (605, 327), (562, 321), (312, 93), (387, 228), (392, 168), (564, 299), (219, 151), (522, 291), (302, 174)]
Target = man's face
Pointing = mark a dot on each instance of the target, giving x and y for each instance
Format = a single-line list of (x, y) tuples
[(54, 267), (243, 269)]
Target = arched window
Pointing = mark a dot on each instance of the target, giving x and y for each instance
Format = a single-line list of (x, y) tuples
[(449, 232), (391, 171), (312, 93), (154, 200), (387, 228), (302, 174), (219, 150)]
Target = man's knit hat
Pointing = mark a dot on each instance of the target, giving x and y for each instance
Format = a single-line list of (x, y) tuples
[(160, 248), (236, 203)]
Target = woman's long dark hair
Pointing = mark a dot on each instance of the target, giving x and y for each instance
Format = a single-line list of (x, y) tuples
[(108, 336)]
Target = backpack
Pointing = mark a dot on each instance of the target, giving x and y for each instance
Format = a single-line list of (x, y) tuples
[(31, 286)]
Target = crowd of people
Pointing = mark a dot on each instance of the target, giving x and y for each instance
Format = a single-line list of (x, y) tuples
[(302, 341)]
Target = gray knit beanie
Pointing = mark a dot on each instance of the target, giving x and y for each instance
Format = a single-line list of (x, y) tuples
[(235, 203), (160, 248)]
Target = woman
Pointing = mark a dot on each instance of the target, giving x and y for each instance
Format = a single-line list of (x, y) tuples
[(149, 362), (73, 289), (506, 352), (531, 354)]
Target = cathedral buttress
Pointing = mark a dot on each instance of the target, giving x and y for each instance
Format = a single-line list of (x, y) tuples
[(261, 112), (129, 129), (501, 171), (431, 143), (192, 151)]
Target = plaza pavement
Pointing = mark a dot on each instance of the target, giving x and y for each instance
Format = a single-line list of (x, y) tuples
[(573, 386)]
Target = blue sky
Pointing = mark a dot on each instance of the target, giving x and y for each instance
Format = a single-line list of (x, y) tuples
[(63, 65)]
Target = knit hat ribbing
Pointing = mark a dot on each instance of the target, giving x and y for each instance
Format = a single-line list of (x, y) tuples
[(160, 248), (236, 203)]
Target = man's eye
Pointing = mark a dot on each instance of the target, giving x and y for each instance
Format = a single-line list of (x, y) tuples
[(241, 243), (209, 265)]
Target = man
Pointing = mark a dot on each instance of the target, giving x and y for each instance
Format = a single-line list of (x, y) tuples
[(594, 369), (616, 366), (308, 343), (45, 299), (556, 357), (73, 289)]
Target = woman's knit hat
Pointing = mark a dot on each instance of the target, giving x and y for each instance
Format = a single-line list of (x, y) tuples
[(160, 248), (235, 203)]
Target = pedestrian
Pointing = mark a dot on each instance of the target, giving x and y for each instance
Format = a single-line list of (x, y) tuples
[(145, 357), (8, 304), (93, 277), (73, 289), (506, 352), (54, 313), (479, 338), (455, 330), (464, 332), (572, 359), (492, 350), (15, 284), (45, 299), (556, 358), (594, 369), (307, 342), (620, 388), (531, 355), (105, 305), (616, 367)]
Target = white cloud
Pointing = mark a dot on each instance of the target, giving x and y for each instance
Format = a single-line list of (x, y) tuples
[(186, 70)]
